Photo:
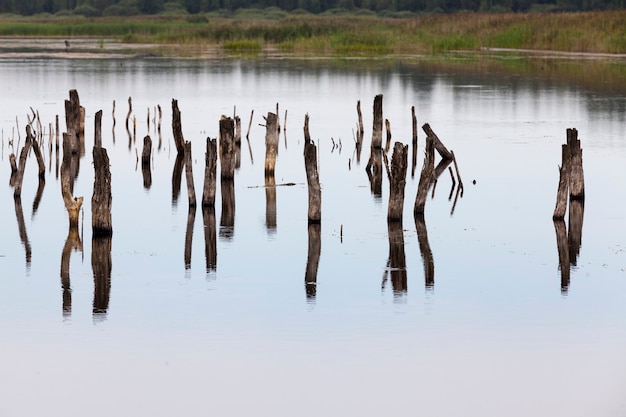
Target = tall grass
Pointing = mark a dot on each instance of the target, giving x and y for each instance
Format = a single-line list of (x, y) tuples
[(602, 32)]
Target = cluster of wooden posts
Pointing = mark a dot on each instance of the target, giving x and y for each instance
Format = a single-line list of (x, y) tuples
[(570, 184)]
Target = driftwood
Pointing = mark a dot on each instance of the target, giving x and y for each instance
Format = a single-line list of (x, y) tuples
[(439, 146), (177, 131), (313, 260), (227, 148), (210, 174), (397, 182), (210, 237), (191, 191), (271, 142), (426, 177), (312, 175)]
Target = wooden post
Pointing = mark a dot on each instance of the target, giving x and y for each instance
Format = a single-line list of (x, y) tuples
[(397, 182), (145, 162), (101, 199), (562, 191), (72, 204), (426, 176), (576, 175), (210, 174), (38, 155), (98, 130), (388, 128), (271, 142), (227, 148), (312, 176), (439, 146), (179, 140), (191, 191), (360, 131), (19, 177), (375, 161), (377, 131), (237, 142), (250, 124), (75, 120)]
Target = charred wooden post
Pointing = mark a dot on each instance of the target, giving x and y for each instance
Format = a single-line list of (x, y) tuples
[(72, 204), (191, 191), (210, 237), (101, 200), (439, 146), (312, 176), (271, 142), (426, 176), (313, 260), (210, 174), (19, 176), (577, 180), (177, 174), (101, 265), (191, 218), (388, 129), (397, 181), (179, 140), (425, 251), (227, 148), (98, 130), (414, 141), (562, 191), (146, 156)]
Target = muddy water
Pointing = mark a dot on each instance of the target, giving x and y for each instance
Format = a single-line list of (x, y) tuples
[(466, 313)]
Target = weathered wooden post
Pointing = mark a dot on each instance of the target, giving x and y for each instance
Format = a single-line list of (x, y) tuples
[(397, 182), (271, 142), (377, 129), (414, 141), (191, 191), (72, 204), (426, 177), (177, 131), (98, 130), (75, 120), (360, 132), (101, 200), (562, 191), (19, 176), (210, 174), (388, 129), (227, 148), (312, 176), (577, 180), (374, 166), (146, 155)]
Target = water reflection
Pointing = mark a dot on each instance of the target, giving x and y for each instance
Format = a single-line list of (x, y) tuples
[(19, 214), (270, 203), (210, 237), (425, 251), (313, 260), (101, 265), (177, 174), (73, 243), (227, 220), (568, 241), (396, 262), (191, 218)]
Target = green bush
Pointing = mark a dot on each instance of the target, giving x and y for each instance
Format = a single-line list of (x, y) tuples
[(87, 11)]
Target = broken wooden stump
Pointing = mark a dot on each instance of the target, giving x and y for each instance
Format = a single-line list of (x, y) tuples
[(271, 142), (388, 130), (426, 176), (439, 146), (227, 148), (75, 120), (72, 204), (98, 130), (312, 175), (177, 131), (577, 180), (101, 200), (397, 182), (21, 167), (210, 174), (191, 191), (360, 132), (377, 129)]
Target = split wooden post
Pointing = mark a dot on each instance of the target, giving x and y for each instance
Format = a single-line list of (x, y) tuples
[(439, 146), (177, 131), (426, 176), (191, 191), (210, 174), (227, 148), (397, 182), (576, 178), (271, 142), (312, 176)]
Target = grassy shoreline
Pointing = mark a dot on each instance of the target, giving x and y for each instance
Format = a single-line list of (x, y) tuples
[(346, 35)]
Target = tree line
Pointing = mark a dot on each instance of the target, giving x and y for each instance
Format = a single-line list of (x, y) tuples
[(93, 8)]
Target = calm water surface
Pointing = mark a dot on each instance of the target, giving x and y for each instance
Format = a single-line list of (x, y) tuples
[(490, 328)]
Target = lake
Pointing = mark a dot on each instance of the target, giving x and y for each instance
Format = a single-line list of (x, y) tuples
[(466, 313)]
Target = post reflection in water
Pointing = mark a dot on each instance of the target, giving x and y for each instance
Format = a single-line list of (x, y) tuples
[(210, 238), (396, 264), (375, 174), (74, 243), (227, 220), (40, 188), (427, 255), (568, 241), (313, 260), (101, 265), (270, 202), (19, 214), (191, 219)]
